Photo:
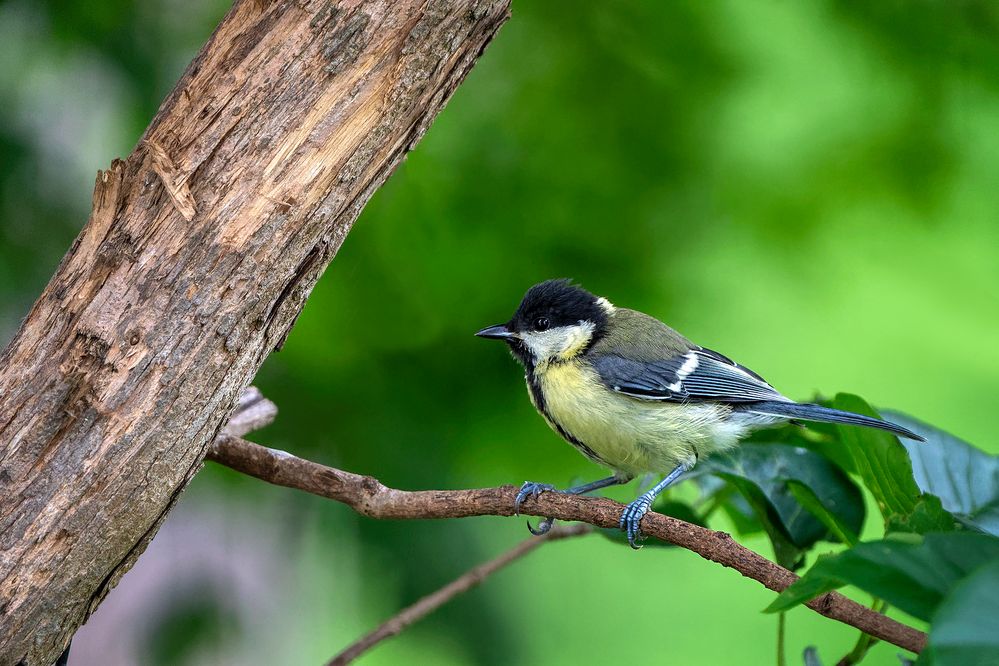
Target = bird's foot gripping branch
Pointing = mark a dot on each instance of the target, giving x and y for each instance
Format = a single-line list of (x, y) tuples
[(635, 396), (752, 476)]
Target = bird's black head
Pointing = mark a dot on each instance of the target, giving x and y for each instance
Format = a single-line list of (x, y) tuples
[(556, 303), (555, 320)]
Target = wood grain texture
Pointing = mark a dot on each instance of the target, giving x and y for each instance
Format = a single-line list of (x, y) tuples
[(200, 251)]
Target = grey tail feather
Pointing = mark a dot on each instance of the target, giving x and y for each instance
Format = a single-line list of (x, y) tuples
[(809, 412)]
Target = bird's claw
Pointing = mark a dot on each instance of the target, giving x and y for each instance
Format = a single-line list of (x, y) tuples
[(631, 519), (532, 489), (543, 527)]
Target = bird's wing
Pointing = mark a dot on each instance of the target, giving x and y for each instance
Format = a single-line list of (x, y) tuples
[(696, 375)]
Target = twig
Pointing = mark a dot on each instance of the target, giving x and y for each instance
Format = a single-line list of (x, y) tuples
[(369, 497), (253, 412), (781, 638), (428, 604), (864, 642)]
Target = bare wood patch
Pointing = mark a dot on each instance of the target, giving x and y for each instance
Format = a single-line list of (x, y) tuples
[(128, 364), (174, 182)]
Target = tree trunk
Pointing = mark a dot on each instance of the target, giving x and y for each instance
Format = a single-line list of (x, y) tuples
[(199, 253)]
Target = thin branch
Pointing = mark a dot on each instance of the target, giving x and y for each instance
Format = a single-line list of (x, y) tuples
[(864, 642), (253, 412), (428, 604), (781, 638), (370, 498)]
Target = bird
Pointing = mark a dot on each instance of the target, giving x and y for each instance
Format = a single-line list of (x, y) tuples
[(637, 397)]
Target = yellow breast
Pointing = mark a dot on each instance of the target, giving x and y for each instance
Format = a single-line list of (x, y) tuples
[(627, 434)]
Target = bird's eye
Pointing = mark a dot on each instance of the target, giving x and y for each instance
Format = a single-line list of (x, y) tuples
[(541, 324)]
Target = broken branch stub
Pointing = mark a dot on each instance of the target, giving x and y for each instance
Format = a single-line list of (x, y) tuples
[(200, 251)]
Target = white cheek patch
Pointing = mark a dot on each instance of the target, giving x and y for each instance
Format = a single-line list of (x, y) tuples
[(560, 342)]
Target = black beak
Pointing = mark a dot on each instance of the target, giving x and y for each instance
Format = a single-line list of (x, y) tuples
[(497, 332)]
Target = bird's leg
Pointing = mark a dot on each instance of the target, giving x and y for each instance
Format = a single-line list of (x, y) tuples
[(632, 515), (532, 489)]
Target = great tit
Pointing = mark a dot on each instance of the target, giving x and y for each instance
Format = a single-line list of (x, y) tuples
[(633, 395)]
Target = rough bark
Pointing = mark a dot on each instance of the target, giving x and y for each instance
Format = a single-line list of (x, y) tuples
[(199, 253)]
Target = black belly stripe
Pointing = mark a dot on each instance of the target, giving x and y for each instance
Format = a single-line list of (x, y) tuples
[(539, 400)]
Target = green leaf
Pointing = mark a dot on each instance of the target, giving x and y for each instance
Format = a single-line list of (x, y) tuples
[(985, 518), (911, 574), (964, 631), (743, 518), (771, 469), (716, 491), (965, 479), (928, 516), (808, 499), (882, 462), (786, 552)]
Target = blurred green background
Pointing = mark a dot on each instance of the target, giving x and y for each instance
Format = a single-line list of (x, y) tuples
[(809, 187)]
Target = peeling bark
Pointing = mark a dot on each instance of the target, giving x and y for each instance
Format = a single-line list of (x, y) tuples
[(199, 253)]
